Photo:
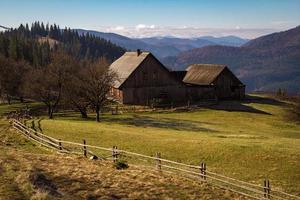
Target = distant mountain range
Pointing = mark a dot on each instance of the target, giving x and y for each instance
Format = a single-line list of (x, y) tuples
[(165, 46), (263, 64)]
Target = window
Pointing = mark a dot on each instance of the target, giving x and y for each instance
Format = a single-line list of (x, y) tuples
[(232, 88)]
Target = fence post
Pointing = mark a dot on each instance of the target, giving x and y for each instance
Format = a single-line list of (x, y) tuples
[(114, 153), (158, 161), (59, 144), (267, 189), (203, 171), (84, 148), (33, 125)]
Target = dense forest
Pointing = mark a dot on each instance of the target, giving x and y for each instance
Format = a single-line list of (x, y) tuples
[(34, 44), (56, 67)]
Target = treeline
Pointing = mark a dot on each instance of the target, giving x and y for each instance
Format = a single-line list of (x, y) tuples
[(66, 81), (35, 43), (72, 71)]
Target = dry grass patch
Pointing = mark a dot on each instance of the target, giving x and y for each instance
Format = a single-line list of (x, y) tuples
[(68, 177)]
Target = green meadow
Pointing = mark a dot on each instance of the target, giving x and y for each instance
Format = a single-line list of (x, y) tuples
[(251, 140)]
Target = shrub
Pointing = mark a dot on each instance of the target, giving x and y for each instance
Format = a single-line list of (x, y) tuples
[(120, 164)]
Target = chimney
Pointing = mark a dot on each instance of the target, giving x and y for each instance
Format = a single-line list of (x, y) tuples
[(138, 52)]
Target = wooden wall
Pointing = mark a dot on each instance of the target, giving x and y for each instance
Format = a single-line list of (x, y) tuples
[(228, 86), (152, 81)]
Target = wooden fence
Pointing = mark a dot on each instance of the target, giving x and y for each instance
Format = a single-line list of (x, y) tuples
[(156, 162)]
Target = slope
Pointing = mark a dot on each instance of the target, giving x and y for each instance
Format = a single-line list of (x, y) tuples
[(263, 64)]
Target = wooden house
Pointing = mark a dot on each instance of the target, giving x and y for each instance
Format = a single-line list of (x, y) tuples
[(143, 79)]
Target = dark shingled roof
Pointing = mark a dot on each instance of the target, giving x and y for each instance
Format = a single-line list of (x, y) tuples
[(126, 64), (203, 74)]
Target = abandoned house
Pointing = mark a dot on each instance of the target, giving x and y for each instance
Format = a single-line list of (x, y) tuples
[(143, 79)]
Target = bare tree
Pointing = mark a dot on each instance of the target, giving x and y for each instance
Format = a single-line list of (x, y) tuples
[(97, 81), (46, 84), (12, 78), (74, 90)]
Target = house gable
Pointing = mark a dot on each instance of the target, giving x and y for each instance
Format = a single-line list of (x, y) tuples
[(227, 74), (150, 73)]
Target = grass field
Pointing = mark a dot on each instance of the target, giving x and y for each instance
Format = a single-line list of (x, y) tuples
[(251, 141), (28, 171)]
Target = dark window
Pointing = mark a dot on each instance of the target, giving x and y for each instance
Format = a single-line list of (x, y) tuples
[(232, 88)]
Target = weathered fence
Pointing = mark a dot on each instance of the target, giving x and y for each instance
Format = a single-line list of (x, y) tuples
[(198, 173)]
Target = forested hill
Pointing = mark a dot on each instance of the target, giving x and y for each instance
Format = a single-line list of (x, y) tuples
[(32, 44), (263, 64)]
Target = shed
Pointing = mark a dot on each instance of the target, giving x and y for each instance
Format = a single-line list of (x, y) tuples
[(217, 77)]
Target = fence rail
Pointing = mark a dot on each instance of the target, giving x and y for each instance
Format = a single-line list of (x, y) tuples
[(199, 173)]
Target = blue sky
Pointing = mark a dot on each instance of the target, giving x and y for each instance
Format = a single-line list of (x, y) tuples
[(137, 18)]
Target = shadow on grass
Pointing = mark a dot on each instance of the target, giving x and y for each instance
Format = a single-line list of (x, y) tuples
[(264, 100), (140, 120), (239, 106), (166, 123), (236, 106)]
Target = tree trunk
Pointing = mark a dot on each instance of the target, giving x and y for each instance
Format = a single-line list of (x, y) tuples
[(97, 113), (51, 115), (83, 113), (21, 99), (8, 99), (50, 112)]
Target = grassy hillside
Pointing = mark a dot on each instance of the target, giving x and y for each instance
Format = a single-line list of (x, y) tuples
[(28, 171), (251, 141)]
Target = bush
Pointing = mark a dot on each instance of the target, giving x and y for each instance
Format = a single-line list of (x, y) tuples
[(121, 164)]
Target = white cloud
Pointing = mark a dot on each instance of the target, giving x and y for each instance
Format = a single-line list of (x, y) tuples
[(118, 28), (114, 29), (143, 26), (143, 30), (140, 26)]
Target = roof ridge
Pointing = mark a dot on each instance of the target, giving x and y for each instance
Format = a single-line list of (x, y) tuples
[(203, 74), (126, 65)]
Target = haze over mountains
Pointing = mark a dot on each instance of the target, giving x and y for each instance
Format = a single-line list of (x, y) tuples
[(165, 46)]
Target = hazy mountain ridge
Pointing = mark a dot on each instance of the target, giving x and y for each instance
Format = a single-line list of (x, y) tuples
[(165, 46), (265, 63)]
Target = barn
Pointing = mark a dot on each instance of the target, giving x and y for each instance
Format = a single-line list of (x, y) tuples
[(212, 81), (144, 80)]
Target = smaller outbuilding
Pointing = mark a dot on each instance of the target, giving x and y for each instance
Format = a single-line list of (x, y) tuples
[(205, 81)]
